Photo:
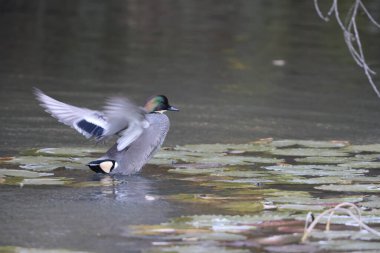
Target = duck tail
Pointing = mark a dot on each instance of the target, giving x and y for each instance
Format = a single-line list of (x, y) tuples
[(104, 166)]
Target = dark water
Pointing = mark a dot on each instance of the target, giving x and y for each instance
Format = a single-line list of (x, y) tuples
[(213, 59)]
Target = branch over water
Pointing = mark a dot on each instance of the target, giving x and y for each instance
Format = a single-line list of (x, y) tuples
[(351, 33)]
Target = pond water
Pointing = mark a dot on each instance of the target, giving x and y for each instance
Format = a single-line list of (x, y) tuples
[(214, 60)]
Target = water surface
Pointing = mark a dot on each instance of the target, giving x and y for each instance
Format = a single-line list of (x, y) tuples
[(213, 59)]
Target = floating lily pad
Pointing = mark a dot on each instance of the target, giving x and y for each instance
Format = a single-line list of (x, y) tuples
[(222, 148), (173, 156), (298, 207), (337, 160), (69, 152), (255, 181), (206, 236), (309, 152), (12, 249), (338, 218), (309, 144), (347, 245), (23, 173), (198, 249), (350, 188), (6, 158), (362, 165), (371, 202), (245, 222), (240, 173), (309, 200), (220, 185), (92, 184), (44, 181), (278, 239), (33, 180), (289, 193), (366, 179), (344, 234), (178, 154), (194, 198), (170, 229), (315, 170), (292, 248), (209, 198), (233, 160), (374, 148), (10, 180), (322, 180), (196, 171), (325, 159), (243, 206), (42, 163)]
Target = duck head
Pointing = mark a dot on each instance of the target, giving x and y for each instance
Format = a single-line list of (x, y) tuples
[(158, 104)]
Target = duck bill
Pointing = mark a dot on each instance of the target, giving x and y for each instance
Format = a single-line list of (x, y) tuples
[(172, 108)]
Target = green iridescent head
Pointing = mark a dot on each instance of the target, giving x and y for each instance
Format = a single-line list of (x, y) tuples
[(158, 104)]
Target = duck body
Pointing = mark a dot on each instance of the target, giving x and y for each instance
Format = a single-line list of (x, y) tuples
[(131, 159), (141, 131)]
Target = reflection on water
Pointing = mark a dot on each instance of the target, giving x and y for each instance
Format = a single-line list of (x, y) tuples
[(122, 188), (213, 59), (79, 218)]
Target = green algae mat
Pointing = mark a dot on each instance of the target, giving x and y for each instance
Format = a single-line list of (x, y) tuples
[(258, 196)]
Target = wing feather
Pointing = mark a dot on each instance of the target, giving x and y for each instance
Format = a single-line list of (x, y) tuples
[(119, 117), (126, 119), (88, 122)]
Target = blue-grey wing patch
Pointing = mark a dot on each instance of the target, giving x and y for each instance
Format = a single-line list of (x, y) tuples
[(91, 129)]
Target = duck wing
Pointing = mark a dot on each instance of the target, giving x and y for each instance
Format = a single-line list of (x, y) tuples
[(88, 122), (125, 119)]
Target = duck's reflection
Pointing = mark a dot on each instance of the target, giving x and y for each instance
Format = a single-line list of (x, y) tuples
[(123, 188)]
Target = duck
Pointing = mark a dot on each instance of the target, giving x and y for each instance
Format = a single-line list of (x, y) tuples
[(140, 131)]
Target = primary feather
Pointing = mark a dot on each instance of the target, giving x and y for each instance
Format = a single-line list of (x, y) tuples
[(119, 116)]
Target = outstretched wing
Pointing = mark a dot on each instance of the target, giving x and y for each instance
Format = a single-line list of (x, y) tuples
[(88, 122), (126, 119)]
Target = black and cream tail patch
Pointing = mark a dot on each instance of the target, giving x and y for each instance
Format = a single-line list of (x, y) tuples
[(102, 166)]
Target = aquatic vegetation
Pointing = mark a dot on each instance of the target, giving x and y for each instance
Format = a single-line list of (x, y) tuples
[(225, 148), (43, 181), (49, 163), (350, 188), (362, 165), (309, 144), (23, 173), (259, 193), (13, 249), (67, 152), (320, 152)]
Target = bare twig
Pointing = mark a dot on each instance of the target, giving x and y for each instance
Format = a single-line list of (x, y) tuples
[(351, 33), (343, 208)]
